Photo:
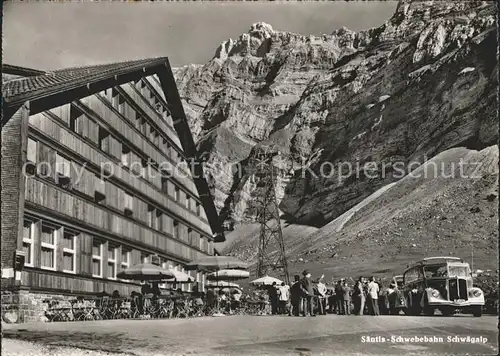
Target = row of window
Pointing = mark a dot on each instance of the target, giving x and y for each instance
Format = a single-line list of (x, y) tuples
[(151, 96), (54, 240), (51, 237), (129, 157), (119, 103), (48, 247), (107, 194)]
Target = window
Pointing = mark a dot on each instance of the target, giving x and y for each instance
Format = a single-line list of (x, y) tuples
[(130, 113), (111, 261), (152, 134), (32, 151), (459, 271), (63, 167), (159, 221), (144, 257), (75, 119), (176, 229), (200, 241), (151, 216), (188, 201), (31, 157), (125, 155), (177, 194), (156, 140), (121, 104), (97, 258), (198, 209), (69, 250), (164, 185), (138, 121), (99, 197), (48, 250), (115, 98), (103, 139), (168, 150), (28, 244), (158, 106), (144, 126), (129, 205), (181, 198), (144, 169), (99, 189), (125, 261), (411, 275)]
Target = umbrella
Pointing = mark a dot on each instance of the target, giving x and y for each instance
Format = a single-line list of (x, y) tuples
[(222, 284), (265, 281), (215, 263), (228, 275), (180, 277), (146, 272)]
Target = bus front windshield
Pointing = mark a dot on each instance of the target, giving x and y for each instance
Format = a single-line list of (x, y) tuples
[(433, 271), (458, 271)]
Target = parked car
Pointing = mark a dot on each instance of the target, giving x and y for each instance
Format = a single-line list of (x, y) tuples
[(443, 283)]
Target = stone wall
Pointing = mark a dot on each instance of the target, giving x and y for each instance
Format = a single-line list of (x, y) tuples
[(12, 197), (26, 306)]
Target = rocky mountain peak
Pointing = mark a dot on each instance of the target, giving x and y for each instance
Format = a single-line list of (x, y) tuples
[(419, 84), (247, 43)]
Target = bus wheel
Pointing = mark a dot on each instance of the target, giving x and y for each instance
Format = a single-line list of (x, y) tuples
[(428, 309), (446, 311), (477, 311)]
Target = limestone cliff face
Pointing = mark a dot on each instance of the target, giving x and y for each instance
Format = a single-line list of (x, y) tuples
[(422, 83)]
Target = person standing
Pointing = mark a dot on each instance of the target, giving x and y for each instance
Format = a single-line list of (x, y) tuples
[(236, 299), (331, 301), (273, 298), (339, 297), (373, 290), (359, 297), (307, 288), (346, 290), (283, 295), (296, 296), (322, 296)]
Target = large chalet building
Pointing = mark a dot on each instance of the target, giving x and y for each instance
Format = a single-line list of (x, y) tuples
[(98, 173)]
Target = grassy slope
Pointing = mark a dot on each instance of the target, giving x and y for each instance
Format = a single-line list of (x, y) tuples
[(414, 218)]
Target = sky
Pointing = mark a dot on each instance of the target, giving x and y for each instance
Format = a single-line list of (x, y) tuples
[(52, 35)]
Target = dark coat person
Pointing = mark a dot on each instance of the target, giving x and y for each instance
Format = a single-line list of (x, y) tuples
[(273, 298), (307, 289), (296, 295), (339, 294)]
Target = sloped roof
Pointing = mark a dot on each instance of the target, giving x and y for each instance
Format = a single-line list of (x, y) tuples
[(50, 82), (55, 88), (20, 71)]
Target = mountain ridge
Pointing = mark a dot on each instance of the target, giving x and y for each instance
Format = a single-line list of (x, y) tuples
[(393, 93)]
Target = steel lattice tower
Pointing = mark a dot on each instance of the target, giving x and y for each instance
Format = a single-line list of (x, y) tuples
[(269, 219)]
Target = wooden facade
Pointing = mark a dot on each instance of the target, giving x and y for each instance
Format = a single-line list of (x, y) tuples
[(108, 186)]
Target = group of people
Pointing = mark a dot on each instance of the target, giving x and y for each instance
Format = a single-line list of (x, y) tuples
[(303, 297), (308, 298)]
